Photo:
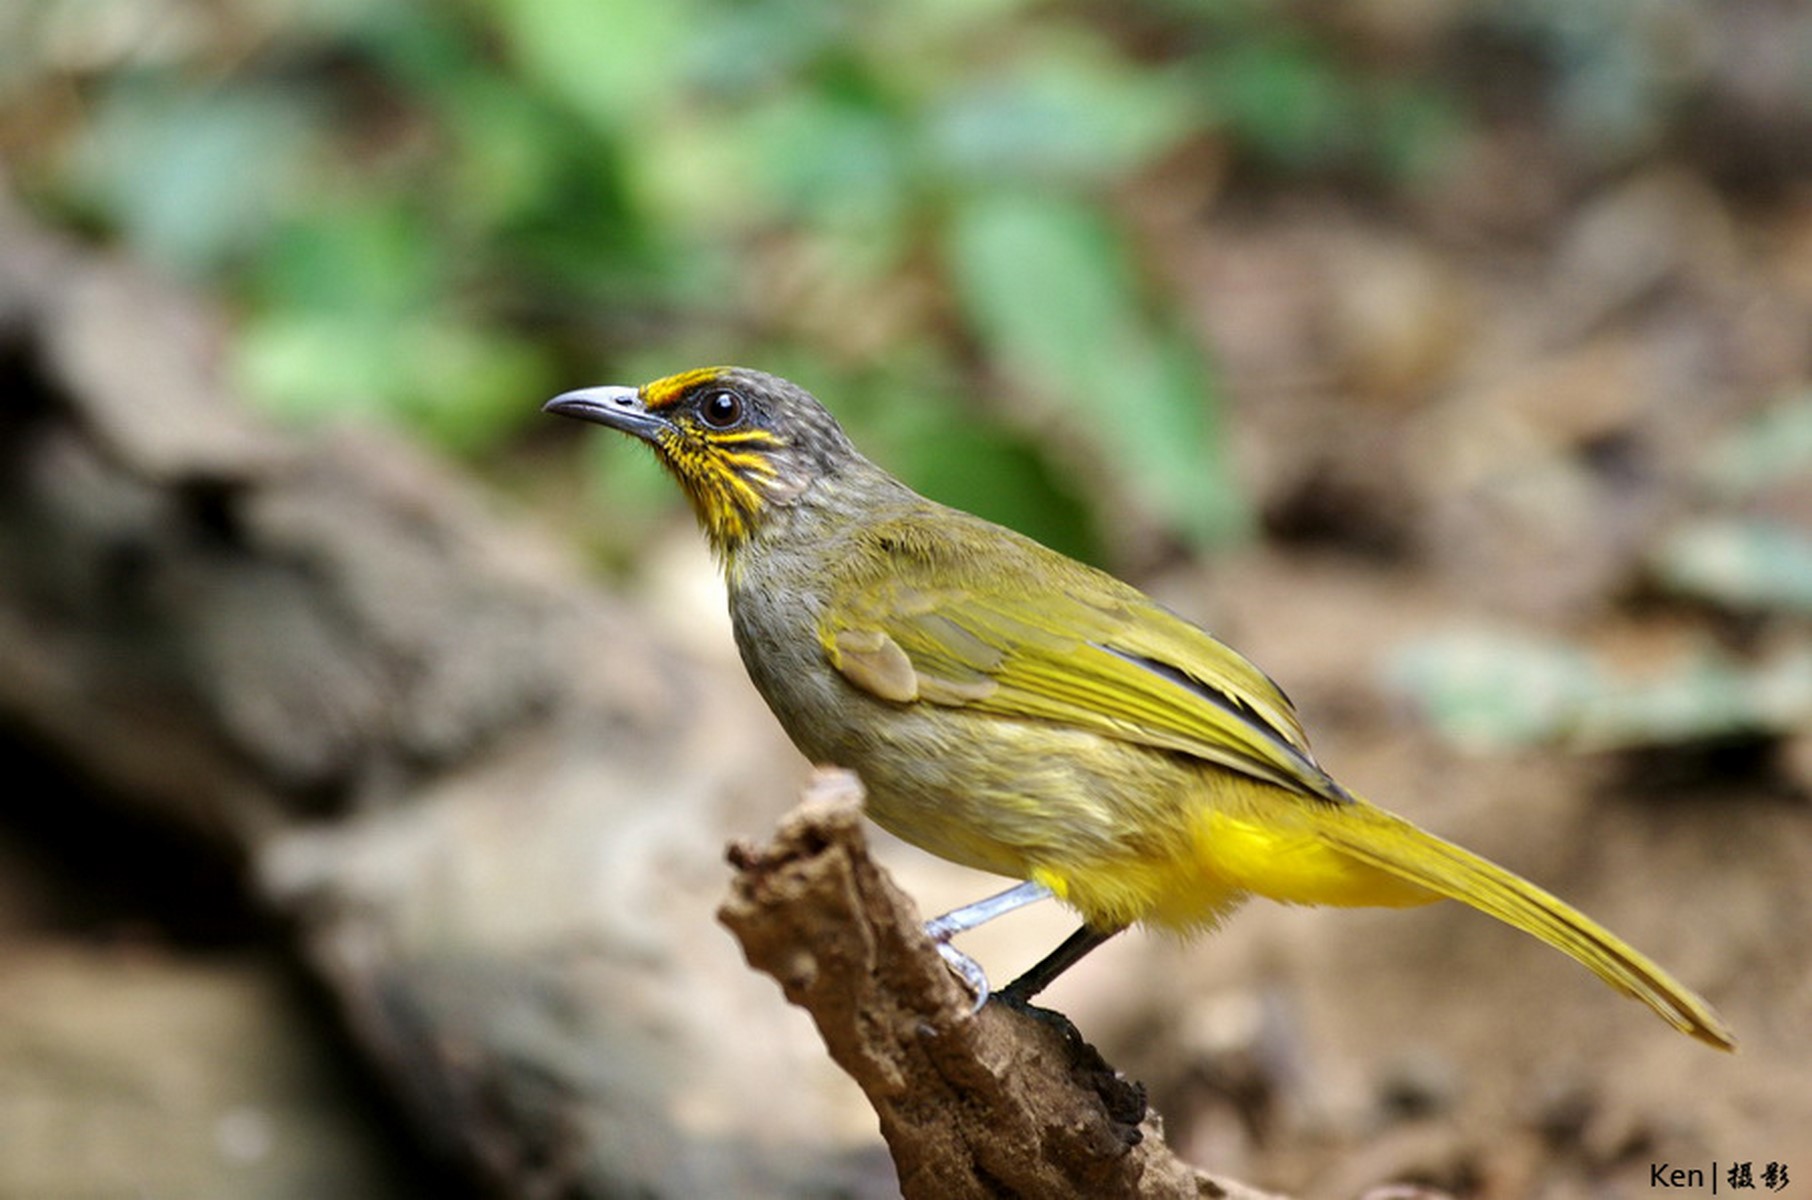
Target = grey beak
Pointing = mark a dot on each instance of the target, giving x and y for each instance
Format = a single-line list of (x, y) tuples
[(619, 408)]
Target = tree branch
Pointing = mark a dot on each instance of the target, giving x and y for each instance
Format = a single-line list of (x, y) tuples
[(1005, 1101)]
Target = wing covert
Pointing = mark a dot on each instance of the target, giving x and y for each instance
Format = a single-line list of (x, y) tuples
[(1087, 651)]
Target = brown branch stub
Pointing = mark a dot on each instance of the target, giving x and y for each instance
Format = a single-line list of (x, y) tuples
[(1001, 1102)]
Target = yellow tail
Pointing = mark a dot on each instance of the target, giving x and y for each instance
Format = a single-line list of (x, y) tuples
[(1392, 844)]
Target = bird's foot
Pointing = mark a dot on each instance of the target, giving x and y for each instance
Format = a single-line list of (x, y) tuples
[(965, 968), (941, 929)]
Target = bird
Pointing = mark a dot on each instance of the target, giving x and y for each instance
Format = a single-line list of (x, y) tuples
[(1013, 710)]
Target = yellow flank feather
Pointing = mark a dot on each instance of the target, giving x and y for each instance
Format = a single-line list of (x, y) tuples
[(1357, 855), (1297, 865)]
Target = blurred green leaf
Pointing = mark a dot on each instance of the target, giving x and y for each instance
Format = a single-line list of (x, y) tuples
[(1739, 562), (980, 468), (829, 159), (372, 256), (1071, 114), (514, 156), (1047, 286), (354, 323), (1413, 130), (1772, 446), (461, 385), (628, 489), (1283, 95), (467, 383), (1488, 689), (194, 177), (743, 48), (1044, 281), (1706, 699), (614, 61), (309, 367), (422, 205)]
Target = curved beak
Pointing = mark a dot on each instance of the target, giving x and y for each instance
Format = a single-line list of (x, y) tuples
[(617, 407)]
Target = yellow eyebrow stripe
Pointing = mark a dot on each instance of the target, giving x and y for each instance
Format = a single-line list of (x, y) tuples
[(664, 393)]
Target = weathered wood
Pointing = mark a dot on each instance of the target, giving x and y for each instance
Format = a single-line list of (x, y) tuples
[(1001, 1102)]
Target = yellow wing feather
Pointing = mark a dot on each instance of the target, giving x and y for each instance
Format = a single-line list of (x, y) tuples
[(1088, 651)]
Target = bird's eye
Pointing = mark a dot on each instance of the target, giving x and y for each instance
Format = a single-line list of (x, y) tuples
[(721, 409)]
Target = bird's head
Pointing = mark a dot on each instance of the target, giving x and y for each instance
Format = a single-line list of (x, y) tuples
[(741, 443)]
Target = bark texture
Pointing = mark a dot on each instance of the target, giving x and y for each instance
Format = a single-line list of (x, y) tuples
[(1004, 1101)]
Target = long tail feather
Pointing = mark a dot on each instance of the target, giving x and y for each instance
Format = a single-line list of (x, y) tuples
[(1394, 845)]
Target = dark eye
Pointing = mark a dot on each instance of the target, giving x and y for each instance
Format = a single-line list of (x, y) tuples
[(721, 409)]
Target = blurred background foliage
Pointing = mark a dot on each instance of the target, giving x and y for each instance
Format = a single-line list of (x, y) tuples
[(1745, 673), (949, 217), (435, 212)]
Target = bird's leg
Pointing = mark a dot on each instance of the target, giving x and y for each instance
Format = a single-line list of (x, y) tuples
[(1048, 968), (958, 920), (961, 920)]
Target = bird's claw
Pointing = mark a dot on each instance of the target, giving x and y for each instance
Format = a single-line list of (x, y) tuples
[(966, 968), (941, 929)]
